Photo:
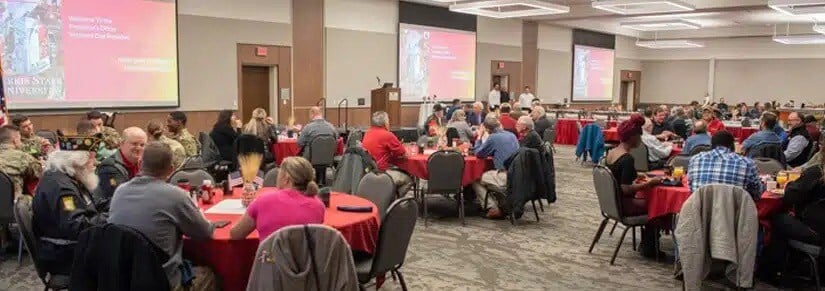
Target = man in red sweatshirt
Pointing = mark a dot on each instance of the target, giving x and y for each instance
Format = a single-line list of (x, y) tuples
[(387, 150)]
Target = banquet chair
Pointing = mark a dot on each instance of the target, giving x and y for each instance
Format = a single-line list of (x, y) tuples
[(679, 161), (452, 133), (698, 150), (772, 151), (379, 189), (320, 250), (640, 157), (768, 166), (7, 207), (271, 178), (445, 170), (550, 137), (393, 240), (23, 215), (321, 154), (195, 177), (611, 208)]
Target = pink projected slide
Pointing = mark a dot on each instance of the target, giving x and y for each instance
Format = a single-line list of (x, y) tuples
[(436, 61), (89, 53), (592, 74)]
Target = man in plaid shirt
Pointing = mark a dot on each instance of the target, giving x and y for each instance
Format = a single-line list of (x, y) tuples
[(723, 166)]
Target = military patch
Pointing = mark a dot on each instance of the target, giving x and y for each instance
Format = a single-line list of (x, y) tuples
[(112, 182), (68, 203)]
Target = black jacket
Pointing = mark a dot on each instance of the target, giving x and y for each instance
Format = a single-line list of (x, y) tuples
[(112, 173), (532, 140), (114, 257), (527, 179), (62, 209), (805, 196), (541, 125), (224, 138)]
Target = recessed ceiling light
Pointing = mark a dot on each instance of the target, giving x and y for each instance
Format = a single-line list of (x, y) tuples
[(669, 43), (661, 25), (642, 6), (509, 8), (819, 28), (798, 7), (800, 39)]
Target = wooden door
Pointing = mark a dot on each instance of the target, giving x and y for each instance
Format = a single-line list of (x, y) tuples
[(255, 90)]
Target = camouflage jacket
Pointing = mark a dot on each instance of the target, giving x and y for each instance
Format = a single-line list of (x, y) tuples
[(20, 167), (178, 153), (31, 145), (110, 137), (188, 141)]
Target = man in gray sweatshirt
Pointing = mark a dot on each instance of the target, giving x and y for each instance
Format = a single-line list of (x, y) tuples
[(164, 213)]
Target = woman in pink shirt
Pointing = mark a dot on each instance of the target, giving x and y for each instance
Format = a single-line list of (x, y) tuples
[(294, 203)]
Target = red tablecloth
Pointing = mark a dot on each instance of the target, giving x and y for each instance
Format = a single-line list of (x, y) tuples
[(741, 133), (611, 134), (232, 260), (288, 147), (676, 151), (474, 167), (567, 132)]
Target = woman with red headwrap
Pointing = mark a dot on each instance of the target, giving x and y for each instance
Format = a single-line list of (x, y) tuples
[(621, 164)]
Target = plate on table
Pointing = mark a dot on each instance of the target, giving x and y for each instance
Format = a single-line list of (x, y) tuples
[(779, 192)]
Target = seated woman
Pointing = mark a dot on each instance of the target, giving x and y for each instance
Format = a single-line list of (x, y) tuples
[(294, 203), (803, 219), (459, 122), (622, 166), (263, 127), (224, 133), (434, 122)]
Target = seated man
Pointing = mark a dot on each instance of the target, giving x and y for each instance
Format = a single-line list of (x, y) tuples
[(765, 136), (700, 137), (435, 121), (799, 145), (813, 127), (63, 207), (507, 121), (176, 124), (32, 144), (476, 116), (110, 136), (723, 166), (528, 137), (499, 144), (86, 128), (709, 116), (387, 150), (658, 151), (661, 128), (455, 106), (540, 120), (120, 167), (164, 213), (21, 167), (317, 126)]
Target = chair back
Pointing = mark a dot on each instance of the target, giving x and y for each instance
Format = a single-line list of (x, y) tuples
[(768, 166), (306, 246), (394, 236), (210, 155), (679, 161), (550, 135), (355, 138), (452, 133), (699, 149), (378, 188), (271, 178), (49, 135), (195, 177), (192, 163), (6, 199), (445, 170), (23, 215), (607, 192), (640, 157), (770, 150), (321, 150)]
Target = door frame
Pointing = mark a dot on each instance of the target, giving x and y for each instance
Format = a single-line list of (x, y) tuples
[(628, 76), (276, 57)]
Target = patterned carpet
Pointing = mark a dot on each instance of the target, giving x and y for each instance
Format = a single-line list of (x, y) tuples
[(493, 255)]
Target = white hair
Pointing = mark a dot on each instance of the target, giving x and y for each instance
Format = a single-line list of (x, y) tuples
[(73, 164), (539, 111), (379, 118), (526, 121)]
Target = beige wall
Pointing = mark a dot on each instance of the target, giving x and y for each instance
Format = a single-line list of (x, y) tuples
[(770, 79), (354, 59), (673, 81)]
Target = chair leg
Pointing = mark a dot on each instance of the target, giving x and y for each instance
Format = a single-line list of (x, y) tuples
[(541, 204), (814, 270), (461, 207), (598, 234), (424, 202), (619, 246), (536, 211), (614, 227), (20, 249), (401, 280)]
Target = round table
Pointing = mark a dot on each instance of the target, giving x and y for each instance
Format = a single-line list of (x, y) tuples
[(288, 147), (741, 133), (474, 167), (567, 132), (232, 260)]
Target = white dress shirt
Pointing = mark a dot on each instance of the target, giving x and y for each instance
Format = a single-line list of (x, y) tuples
[(494, 99), (525, 100)]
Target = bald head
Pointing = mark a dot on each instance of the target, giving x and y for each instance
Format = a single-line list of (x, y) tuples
[(315, 112), (700, 127), (134, 139)]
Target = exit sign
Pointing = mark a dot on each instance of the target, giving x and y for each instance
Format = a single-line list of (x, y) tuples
[(261, 51)]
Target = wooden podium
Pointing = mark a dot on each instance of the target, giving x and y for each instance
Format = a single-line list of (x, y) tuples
[(387, 100)]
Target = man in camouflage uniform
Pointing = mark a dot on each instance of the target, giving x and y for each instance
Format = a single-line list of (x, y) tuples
[(32, 144), (176, 124), (87, 128), (19, 166), (110, 136)]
